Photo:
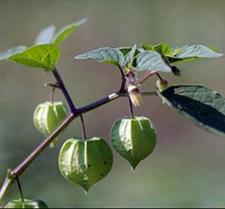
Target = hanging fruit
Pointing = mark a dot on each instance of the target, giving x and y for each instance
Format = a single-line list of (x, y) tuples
[(47, 116), (133, 138), (26, 203), (85, 162)]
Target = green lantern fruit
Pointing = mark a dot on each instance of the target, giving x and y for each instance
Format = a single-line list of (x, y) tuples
[(26, 203), (85, 162), (47, 117), (161, 84), (133, 138)]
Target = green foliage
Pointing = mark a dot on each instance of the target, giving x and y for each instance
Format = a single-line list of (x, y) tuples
[(128, 57), (201, 105), (192, 53), (12, 51), (155, 58), (45, 53), (161, 48), (105, 54), (65, 31), (40, 56), (48, 35), (150, 60), (182, 54), (87, 161)]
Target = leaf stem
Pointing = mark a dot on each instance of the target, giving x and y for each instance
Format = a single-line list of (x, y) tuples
[(159, 76), (146, 76)]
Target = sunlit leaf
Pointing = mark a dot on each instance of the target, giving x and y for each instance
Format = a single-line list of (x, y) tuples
[(12, 51), (148, 47), (177, 50), (195, 52), (162, 48), (105, 54), (150, 60), (65, 31), (40, 56), (198, 51), (201, 105)]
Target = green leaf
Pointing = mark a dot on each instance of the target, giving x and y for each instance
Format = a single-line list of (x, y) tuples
[(45, 35), (195, 52), (126, 50), (148, 47), (150, 60), (40, 56), (162, 48), (201, 105), (65, 31), (129, 56), (177, 50), (12, 51), (198, 51), (105, 54)]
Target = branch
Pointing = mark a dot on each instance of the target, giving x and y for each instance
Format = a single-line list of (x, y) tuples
[(9, 180), (75, 112)]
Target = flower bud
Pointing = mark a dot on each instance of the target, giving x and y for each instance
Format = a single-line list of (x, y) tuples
[(134, 94), (161, 84)]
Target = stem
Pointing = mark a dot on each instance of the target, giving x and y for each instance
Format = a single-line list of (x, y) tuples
[(84, 137), (131, 108), (52, 94), (64, 90), (159, 76), (123, 83), (19, 187), (146, 76), (16, 172), (46, 142), (98, 103), (33, 155)]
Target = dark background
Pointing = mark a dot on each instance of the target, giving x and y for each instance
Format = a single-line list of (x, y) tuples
[(187, 167)]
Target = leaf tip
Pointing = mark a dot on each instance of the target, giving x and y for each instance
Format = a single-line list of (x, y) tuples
[(81, 21)]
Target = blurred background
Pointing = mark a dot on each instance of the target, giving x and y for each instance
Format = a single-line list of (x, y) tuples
[(187, 167)]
